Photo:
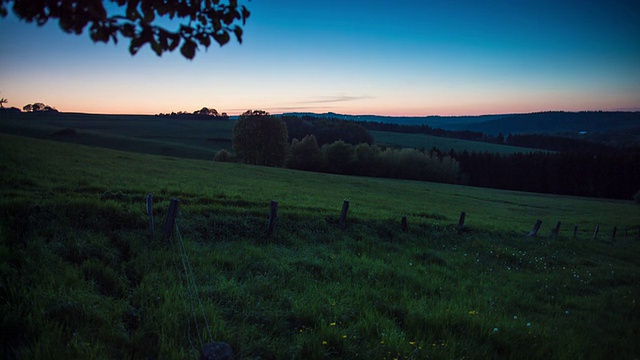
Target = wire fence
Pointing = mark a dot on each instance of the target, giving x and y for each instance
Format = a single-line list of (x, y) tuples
[(189, 293)]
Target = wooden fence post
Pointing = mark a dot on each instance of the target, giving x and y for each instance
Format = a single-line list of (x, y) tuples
[(575, 232), (171, 217), (615, 230), (595, 233), (461, 221), (556, 231), (405, 227), (343, 214), (273, 217), (150, 212), (536, 227)]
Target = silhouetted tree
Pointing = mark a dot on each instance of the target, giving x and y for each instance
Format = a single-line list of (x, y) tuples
[(206, 20), (2, 102), (38, 107), (260, 139)]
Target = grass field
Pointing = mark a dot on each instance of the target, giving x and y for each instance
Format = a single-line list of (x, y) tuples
[(427, 142), (81, 279), (144, 134)]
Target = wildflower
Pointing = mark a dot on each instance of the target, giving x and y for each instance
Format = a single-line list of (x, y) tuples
[(381, 341), (495, 330), (344, 336), (529, 324), (332, 324), (473, 313), (412, 343), (324, 342)]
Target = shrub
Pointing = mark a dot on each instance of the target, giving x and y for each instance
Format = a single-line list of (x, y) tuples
[(305, 154), (338, 157), (223, 156)]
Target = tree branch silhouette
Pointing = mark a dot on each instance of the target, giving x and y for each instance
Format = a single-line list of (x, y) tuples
[(203, 21)]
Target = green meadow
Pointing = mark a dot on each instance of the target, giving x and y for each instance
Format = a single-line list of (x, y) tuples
[(136, 133), (427, 142), (81, 277)]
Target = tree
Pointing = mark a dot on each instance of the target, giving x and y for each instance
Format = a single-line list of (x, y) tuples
[(3, 101), (203, 21), (260, 139), (338, 157), (38, 107), (305, 154)]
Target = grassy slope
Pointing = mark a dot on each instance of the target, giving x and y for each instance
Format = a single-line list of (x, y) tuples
[(80, 278), (144, 134), (420, 141)]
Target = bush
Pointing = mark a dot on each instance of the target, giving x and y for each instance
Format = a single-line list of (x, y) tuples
[(305, 154), (338, 157), (223, 156), (636, 197)]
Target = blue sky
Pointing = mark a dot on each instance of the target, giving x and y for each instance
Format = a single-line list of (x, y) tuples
[(354, 57)]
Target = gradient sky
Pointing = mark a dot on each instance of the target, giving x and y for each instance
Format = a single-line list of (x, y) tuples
[(349, 56)]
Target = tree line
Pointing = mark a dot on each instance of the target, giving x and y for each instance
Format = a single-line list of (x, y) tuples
[(613, 174), (262, 139), (203, 114)]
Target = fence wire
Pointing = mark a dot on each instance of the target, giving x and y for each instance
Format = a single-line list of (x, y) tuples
[(191, 297)]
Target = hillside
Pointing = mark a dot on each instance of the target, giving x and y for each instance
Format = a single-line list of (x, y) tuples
[(82, 279), (611, 128), (181, 138), (427, 142), (137, 133), (557, 122)]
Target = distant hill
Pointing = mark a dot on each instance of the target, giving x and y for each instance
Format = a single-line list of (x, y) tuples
[(542, 122), (556, 122), (616, 129), (433, 120)]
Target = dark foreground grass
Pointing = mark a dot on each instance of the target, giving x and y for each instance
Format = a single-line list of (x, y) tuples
[(81, 279)]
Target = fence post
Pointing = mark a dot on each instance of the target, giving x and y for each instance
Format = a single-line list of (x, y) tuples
[(343, 214), (405, 227), (536, 227), (556, 231), (575, 232), (171, 217), (150, 212), (461, 221), (595, 233), (273, 217)]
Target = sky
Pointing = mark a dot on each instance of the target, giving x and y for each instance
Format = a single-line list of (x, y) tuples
[(382, 57)]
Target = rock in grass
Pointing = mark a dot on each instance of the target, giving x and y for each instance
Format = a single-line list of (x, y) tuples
[(216, 351)]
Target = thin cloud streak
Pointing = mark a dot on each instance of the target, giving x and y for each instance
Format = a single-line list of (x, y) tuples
[(335, 99)]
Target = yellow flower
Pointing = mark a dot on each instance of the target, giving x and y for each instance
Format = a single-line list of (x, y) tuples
[(332, 324), (324, 342), (473, 312), (381, 341), (344, 336), (413, 343)]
